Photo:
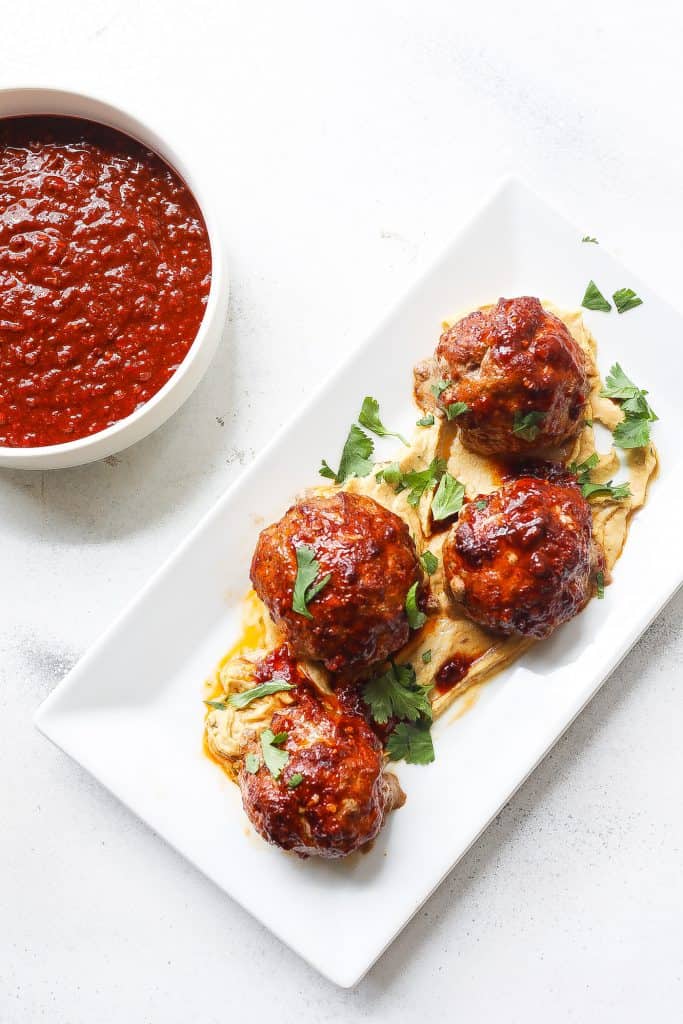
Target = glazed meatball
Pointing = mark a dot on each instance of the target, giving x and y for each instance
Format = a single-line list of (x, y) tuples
[(523, 559), (359, 616), (332, 795), (521, 375)]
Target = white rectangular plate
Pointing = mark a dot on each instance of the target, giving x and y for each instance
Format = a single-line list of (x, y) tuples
[(131, 711)]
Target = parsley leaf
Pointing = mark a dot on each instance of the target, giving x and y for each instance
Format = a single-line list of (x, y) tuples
[(426, 656), (274, 685), (440, 386), (416, 618), (217, 705), (587, 238), (426, 421), (295, 780), (369, 418), (355, 457), (594, 299), (275, 759), (527, 424), (600, 585), (634, 430), (456, 409), (411, 743), (396, 694), (430, 562), (252, 763), (589, 489), (418, 480), (448, 498), (305, 589), (391, 475), (626, 299), (481, 504)]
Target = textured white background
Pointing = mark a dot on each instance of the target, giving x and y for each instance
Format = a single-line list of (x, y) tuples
[(349, 142)]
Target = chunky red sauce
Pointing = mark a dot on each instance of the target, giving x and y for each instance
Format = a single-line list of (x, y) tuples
[(452, 672), (105, 267)]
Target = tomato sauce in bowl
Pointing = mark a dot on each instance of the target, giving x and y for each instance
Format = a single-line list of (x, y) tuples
[(105, 271)]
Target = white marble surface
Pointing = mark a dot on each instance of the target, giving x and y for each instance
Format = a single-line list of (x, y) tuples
[(350, 141)]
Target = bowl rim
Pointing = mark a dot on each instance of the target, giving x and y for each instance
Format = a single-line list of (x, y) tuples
[(54, 101)]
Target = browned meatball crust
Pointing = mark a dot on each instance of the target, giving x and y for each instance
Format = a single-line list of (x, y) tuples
[(506, 363), (359, 617), (344, 794), (523, 559)]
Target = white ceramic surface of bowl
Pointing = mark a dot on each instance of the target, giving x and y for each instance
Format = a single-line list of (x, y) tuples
[(178, 388)]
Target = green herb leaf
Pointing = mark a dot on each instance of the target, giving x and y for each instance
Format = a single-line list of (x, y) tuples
[(252, 763), (634, 430), (369, 418), (295, 780), (626, 299), (594, 299), (217, 705), (430, 562), (396, 694), (274, 685), (327, 471), (416, 618), (411, 743), (456, 409), (448, 499), (426, 656), (527, 424), (438, 389), (305, 589), (426, 421), (355, 458), (391, 475), (274, 758), (600, 585), (481, 504), (589, 489), (418, 480), (587, 238)]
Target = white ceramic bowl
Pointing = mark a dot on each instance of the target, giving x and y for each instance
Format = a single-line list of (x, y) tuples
[(171, 396)]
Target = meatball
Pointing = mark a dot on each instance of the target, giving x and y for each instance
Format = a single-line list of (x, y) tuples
[(332, 795), (359, 616), (521, 375), (523, 559)]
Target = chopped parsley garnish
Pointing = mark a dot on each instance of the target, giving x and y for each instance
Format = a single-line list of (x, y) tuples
[(448, 499), (456, 409), (355, 458), (430, 562), (594, 299), (587, 238), (481, 504), (274, 685), (418, 480), (626, 299), (252, 763), (416, 618), (589, 489), (391, 475), (426, 421), (438, 389), (274, 758), (600, 585), (396, 694), (426, 656), (217, 705), (634, 429), (412, 743), (527, 424), (369, 418), (295, 780), (305, 585)]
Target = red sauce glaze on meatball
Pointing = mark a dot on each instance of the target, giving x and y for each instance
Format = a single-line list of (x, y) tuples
[(359, 617), (525, 561), (344, 794), (506, 363)]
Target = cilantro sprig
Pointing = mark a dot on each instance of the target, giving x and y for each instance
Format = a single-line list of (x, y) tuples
[(528, 424), (594, 299), (396, 694), (456, 409), (625, 299), (415, 481), (368, 417), (634, 429), (430, 562), (411, 743), (416, 617), (582, 470), (243, 699), (307, 585), (355, 457), (448, 499), (274, 758)]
